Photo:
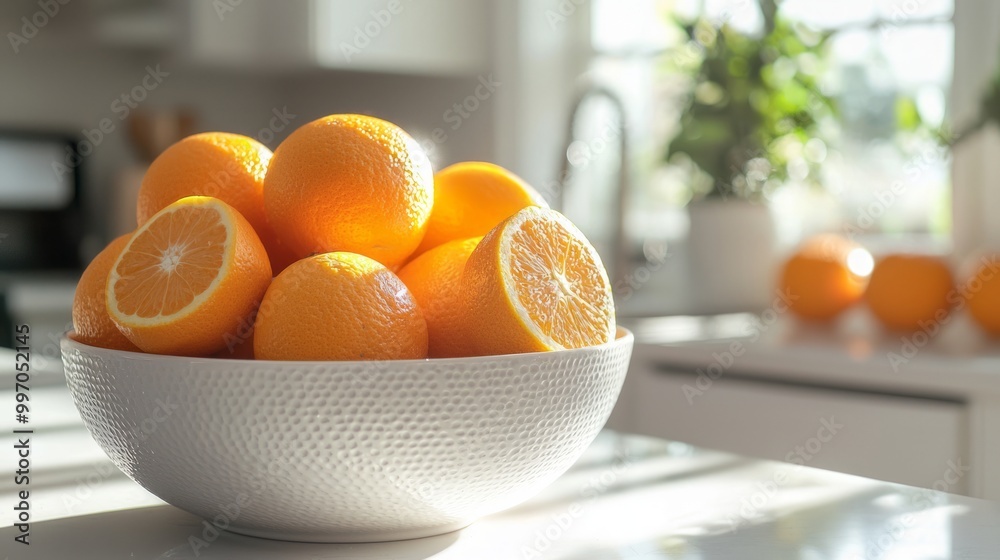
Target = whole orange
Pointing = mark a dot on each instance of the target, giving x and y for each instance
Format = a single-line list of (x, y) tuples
[(339, 306), (910, 292), (471, 198), (350, 183), (982, 293), (434, 278), (91, 323), (229, 167), (817, 281)]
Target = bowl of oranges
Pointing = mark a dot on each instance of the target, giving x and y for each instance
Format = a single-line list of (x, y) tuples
[(334, 343)]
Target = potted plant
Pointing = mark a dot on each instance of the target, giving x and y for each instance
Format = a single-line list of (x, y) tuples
[(754, 115)]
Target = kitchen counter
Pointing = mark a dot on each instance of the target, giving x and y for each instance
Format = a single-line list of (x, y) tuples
[(760, 385), (952, 363), (628, 497)]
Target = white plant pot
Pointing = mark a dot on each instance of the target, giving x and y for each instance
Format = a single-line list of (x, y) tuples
[(731, 254)]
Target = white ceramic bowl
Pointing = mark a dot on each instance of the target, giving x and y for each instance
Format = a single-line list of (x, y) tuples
[(345, 451)]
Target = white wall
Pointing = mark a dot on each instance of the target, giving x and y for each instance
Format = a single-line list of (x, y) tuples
[(63, 80)]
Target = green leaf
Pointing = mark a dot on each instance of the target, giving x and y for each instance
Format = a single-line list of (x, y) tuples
[(907, 115)]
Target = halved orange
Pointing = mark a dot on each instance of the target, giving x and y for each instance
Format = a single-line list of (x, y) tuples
[(188, 279), (533, 284)]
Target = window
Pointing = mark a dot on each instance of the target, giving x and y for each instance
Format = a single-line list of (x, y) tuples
[(883, 171)]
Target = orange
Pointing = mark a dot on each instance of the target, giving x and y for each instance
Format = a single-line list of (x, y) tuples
[(188, 279), (434, 279), (982, 293), (350, 183), (91, 323), (471, 198), (817, 281), (339, 306), (230, 167), (238, 348), (910, 292), (533, 284)]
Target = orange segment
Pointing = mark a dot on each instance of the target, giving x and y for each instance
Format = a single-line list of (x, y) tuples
[(471, 198), (535, 283), (188, 278)]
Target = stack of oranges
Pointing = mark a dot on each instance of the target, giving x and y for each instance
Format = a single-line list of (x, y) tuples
[(341, 245), (905, 292)]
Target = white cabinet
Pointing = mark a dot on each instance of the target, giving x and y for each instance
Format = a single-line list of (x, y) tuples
[(915, 441), (434, 37), (404, 36)]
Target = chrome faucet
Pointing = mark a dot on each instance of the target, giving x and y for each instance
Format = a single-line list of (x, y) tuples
[(619, 256)]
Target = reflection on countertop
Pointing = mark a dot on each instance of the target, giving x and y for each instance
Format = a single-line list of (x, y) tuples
[(629, 497)]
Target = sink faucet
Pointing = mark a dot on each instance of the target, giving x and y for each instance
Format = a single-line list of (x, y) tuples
[(619, 249)]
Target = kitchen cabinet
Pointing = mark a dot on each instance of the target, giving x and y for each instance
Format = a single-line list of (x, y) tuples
[(899, 439), (391, 36), (933, 423)]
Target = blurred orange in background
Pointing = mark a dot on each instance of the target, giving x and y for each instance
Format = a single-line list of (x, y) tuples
[(826, 275), (982, 291), (910, 292)]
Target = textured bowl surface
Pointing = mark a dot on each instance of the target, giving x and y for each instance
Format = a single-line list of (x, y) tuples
[(345, 451)]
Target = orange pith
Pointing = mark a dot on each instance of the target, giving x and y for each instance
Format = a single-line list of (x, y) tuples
[(188, 279), (535, 283)]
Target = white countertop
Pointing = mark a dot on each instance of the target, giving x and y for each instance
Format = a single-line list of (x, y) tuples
[(956, 363), (627, 498)]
